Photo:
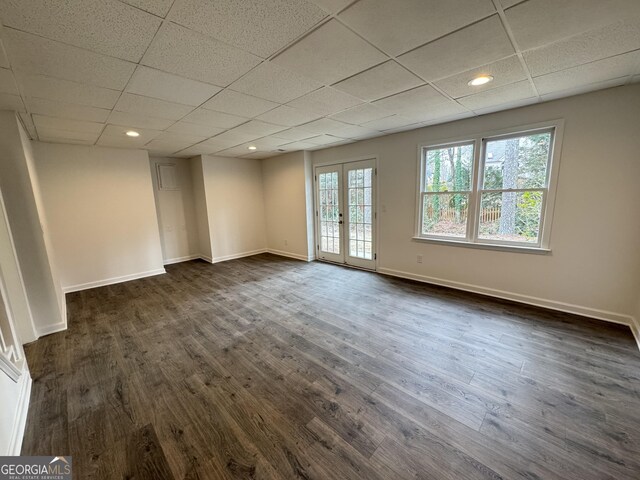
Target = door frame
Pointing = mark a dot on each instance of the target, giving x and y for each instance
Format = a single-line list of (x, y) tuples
[(316, 202)]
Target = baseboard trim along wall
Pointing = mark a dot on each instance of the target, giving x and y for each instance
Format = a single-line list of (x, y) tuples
[(111, 281), (297, 256), (516, 297), (236, 255), (17, 434), (186, 258), (49, 329), (635, 329)]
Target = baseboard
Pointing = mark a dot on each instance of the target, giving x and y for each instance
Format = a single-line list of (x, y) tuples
[(635, 329), (297, 256), (236, 255), (206, 258), (516, 297), (111, 281), (17, 434), (186, 258), (49, 329)]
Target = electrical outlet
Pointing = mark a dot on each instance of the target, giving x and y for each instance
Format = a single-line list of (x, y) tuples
[(419, 258)]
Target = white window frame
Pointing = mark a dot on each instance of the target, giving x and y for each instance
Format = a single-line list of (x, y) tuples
[(479, 142)]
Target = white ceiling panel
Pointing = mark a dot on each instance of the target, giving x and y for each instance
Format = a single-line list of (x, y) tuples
[(11, 102), (7, 82), (67, 110), (66, 124), (258, 128), (195, 150), (214, 119), (240, 104), (173, 141), (323, 140), (356, 131), (287, 116), (33, 54), (231, 138), (172, 88), (507, 105), (540, 22), (324, 125), (294, 135), (600, 71), (115, 136), (64, 136), (478, 44), (157, 7), (332, 6), (4, 61), (361, 113), (380, 81), (616, 82), (261, 27), (104, 26), (498, 96), (39, 86), (194, 129), (330, 53), (401, 25), (27, 123), (325, 101), (131, 119), (387, 123), (193, 55), (504, 72), (417, 99), (152, 107), (298, 145), (432, 112), (614, 39), (510, 3)]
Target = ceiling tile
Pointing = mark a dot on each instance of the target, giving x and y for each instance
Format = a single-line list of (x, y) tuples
[(152, 107), (63, 136), (540, 22), (214, 119), (323, 140), (261, 27), (447, 109), (294, 134), (332, 6), (157, 7), (27, 123), (53, 123), (39, 86), (287, 116), (507, 105), (600, 71), (11, 102), (275, 83), (195, 150), (614, 39), (166, 86), (173, 141), (240, 104), (194, 129), (67, 110), (416, 100), (299, 145), (193, 55), (355, 131), (329, 54), (324, 125), (230, 138), (498, 96), (104, 26), (7, 83), (475, 45), (401, 25), (4, 62), (115, 136), (394, 121), (510, 3), (325, 101), (380, 81), (131, 119), (616, 82), (361, 113), (504, 72), (33, 54), (258, 128)]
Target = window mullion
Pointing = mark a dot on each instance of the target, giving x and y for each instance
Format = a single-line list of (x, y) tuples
[(474, 200)]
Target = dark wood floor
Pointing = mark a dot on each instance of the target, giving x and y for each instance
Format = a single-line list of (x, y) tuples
[(271, 368)]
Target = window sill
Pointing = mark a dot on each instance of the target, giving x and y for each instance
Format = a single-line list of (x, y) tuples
[(485, 246)]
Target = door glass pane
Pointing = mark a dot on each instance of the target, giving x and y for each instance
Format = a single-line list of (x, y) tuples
[(445, 214), (511, 216), (360, 210), (329, 212)]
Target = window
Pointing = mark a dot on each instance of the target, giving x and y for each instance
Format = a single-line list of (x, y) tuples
[(489, 191)]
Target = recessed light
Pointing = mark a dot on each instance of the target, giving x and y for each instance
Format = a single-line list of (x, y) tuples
[(131, 133), (481, 80), (253, 147)]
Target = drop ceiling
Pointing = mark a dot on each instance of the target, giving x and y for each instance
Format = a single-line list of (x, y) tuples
[(217, 76)]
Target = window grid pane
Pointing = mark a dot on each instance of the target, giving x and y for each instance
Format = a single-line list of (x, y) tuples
[(329, 213), (360, 211)]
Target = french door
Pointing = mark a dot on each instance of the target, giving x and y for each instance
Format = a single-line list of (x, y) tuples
[(345, 213)]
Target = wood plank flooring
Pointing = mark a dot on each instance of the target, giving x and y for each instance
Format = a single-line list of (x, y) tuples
[(271, 368)]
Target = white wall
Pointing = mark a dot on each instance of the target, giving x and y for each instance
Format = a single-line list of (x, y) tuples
[(595, 260), (285, 204), (176, 212), (28, 228), (200, 201), (101, 211), (235, 206)]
